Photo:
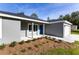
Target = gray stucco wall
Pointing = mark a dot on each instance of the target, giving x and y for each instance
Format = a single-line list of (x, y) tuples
[(55, 29), (10, 31)]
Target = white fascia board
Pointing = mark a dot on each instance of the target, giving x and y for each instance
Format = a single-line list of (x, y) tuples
[(67, 22), (17, 17), (61, 22), (55, 22)]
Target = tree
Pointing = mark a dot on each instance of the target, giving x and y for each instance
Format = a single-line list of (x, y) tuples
[(73, 18), (33, 15), (74, 14), (67, 17), (48, 18), (61, 17)]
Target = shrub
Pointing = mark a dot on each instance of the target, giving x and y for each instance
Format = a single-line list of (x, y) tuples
[(29, 48), (49, 38), (54, 39), (43, 42), (2, 46), (59, 41), (36, 46), (22, 42), (47, 41), (23, 50), (46, 37), (34, 39), (40, 44), (28, 41), (12, 44)]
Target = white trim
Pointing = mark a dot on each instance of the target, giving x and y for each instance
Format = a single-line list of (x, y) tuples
[(38, 30), (63, 21), (43, 29), (66, 30), (28, 25), (67, 22), (37, 26), (6, 15), (34, 20), (29, 33), (32, 29)]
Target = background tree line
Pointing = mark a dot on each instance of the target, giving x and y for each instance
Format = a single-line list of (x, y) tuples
[(73, 18)]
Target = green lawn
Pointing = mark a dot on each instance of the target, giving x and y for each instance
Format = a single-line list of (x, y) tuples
[(61, 51), (75, 32)]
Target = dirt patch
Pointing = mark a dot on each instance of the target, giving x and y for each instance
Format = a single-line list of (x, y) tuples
[(35, 47)]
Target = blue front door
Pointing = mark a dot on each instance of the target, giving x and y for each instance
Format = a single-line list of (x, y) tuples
[(41, 29)]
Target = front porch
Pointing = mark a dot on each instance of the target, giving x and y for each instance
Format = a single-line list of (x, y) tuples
[(30, 30)]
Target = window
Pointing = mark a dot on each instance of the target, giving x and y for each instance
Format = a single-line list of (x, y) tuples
[(35, 27), (30, 27)]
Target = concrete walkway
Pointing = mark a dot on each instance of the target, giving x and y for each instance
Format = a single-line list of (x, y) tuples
[(70, 38)]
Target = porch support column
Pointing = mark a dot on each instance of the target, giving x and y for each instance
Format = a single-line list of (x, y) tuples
[(38, 29), (43, 29), (32, 29)]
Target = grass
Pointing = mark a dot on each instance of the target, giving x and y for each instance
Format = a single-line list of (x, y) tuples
[(58, 51), (62, 51), (75, 32), (76, 42)]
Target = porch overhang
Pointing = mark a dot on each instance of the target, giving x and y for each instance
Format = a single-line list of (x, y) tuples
[(22, 18)]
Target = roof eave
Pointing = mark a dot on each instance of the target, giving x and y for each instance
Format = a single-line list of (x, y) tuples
[(61, 22), (22, 18)]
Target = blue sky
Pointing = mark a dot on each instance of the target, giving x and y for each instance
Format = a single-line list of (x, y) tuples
[(44, 10)]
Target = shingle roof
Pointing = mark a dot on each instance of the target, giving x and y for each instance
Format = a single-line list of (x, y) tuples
[(21, 15), (53, 20), (29, 17)]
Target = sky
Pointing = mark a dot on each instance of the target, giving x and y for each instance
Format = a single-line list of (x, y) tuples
[(43, 10)]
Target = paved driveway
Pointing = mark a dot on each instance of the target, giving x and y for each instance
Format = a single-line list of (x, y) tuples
[(72, 37)]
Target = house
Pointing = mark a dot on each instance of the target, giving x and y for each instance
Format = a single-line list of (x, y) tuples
[(74, 27), (16, 27)]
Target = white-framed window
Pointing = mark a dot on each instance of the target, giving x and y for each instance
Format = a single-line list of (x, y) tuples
[(30, 27), (35, 27)]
